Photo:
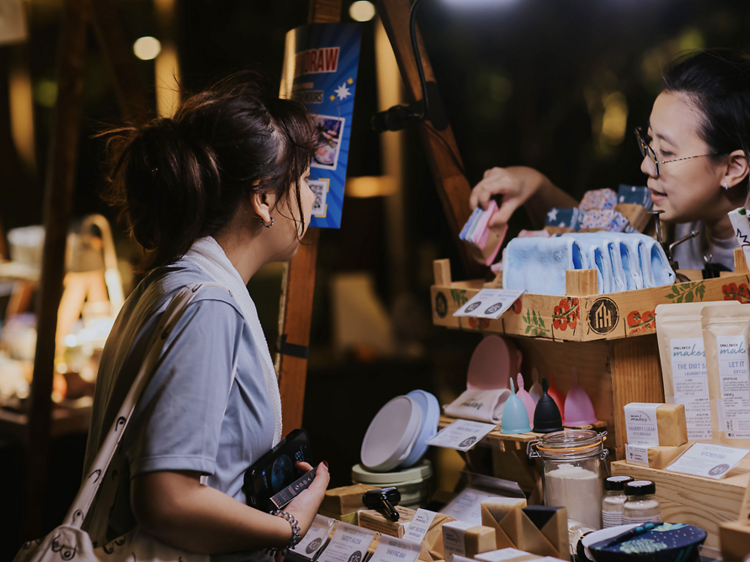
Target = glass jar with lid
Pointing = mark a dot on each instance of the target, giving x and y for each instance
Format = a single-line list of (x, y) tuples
[(613, 500), (641, 505), (572, 463)]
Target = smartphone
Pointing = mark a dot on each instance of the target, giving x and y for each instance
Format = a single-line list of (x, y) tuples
[(276, 470)]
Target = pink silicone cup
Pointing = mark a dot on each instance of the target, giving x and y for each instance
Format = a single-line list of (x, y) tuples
[(483, 231), (525, 398), (491, 364), (536, 389), (578, 407), (557, 395)]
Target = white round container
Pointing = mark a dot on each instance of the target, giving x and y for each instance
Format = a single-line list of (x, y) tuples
[(412, 483), (25, 245), (391, 435)]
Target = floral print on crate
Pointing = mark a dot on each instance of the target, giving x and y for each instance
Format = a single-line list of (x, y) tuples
[(734, 292), (641, 323), (566, 314)]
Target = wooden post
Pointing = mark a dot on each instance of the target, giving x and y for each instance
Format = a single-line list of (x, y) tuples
[(440, 146), (297, 289), (58, 200), (442, 270), (581, 282), (740, 264)]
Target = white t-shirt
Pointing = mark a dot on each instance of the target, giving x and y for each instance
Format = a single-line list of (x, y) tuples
[(689, 255)]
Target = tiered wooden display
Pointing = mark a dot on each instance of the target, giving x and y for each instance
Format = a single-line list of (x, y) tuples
[(609, 339)]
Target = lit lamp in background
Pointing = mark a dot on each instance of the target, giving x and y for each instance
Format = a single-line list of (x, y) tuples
[(362, 11), (370, 186)]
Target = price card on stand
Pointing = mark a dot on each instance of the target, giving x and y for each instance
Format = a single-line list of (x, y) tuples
[(315, 537), (708, 460), (489, 303), (461, 435), (392, 549), (348, 544)]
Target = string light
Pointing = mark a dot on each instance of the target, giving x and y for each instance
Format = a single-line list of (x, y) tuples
[(147, 48)]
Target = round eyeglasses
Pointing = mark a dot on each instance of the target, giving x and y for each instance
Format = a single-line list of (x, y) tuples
[(648, 152)]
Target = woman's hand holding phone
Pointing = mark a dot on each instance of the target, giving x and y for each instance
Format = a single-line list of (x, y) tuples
[(305, 506)]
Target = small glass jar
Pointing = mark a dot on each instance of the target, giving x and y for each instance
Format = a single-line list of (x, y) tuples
[(571, 472), (641, 505), (613, 500)]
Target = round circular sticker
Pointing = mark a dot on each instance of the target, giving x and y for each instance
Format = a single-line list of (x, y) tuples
[(441, 305), (355, 557), (314, 545), (494, 308), (473, 306), (719, 469), (603, 315), (468, 441)]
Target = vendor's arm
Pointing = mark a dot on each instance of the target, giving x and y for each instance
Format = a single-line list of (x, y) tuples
[(519, 185), (177, 509)]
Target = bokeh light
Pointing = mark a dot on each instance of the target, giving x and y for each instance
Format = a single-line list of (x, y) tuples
[(362, 11), (147, 48)]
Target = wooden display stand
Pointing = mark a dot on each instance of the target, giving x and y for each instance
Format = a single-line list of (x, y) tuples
[(694, 500), (609, 339)]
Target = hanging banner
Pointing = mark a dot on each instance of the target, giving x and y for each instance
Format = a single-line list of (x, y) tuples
[(320, 70)]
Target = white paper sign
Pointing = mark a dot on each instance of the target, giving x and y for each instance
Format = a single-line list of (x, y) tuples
[(461, 435), (467, 506), (392, 549), (489, 303), (348, 544), (315, 537), (419, 525), (636, 454), (708, 460)]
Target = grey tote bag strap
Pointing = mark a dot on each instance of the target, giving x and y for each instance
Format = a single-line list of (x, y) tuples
[(90, 486)]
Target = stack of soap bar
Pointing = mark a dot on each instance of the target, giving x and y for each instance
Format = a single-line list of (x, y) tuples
[(656, 425), (465, 539), (653, 457), (346, 499), (371, 519)]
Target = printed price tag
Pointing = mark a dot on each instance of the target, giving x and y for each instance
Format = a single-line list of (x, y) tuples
[(636, 454), (419, 525), (461, 435), (348, 544), (315, 537), (467, 506), (708, 460), (489, 303), (392, 549)]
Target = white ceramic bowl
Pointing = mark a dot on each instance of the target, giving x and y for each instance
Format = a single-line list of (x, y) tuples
[(391, 435)]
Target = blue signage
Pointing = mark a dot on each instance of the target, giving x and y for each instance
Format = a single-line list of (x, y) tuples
[(320, 70)]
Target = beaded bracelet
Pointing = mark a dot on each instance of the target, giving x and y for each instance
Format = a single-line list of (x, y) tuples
[(296, 537)]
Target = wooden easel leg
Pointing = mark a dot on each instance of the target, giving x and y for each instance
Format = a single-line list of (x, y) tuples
[(58, 201)]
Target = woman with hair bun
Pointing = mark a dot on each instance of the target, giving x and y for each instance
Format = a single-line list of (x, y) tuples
[(211, 195), (695, 150)]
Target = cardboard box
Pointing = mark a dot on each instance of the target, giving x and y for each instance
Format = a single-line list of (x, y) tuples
[(371, 519)]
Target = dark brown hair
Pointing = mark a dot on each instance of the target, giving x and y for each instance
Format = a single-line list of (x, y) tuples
[(176, 180)]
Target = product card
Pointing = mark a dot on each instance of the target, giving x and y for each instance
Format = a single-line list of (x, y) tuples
[(489, 303), (315, 537), (498, 555), (392, 549), (348, 544), (690, 380), (710, 461), (640, 421), (735, 386), (467, 506), (419, 525), (461, 435), (636, 454)]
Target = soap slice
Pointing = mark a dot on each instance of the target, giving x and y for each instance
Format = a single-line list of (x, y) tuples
[(345, 499), (371, 519), (465, 539), (672, 425), (500, 507)]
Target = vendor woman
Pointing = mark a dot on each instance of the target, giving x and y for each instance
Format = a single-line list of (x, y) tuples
[(212, 195), (695, 151)]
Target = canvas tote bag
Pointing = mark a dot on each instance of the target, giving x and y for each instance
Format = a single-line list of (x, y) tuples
[(69, 541)]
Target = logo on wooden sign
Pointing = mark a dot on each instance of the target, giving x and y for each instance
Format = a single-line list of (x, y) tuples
[(441, 305), (603, 315)]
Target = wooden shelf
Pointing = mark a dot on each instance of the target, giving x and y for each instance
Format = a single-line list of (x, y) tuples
[(65, 421), (495, 439)]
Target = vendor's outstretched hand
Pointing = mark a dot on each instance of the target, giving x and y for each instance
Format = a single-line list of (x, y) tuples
[(305, 506), (516, 185)]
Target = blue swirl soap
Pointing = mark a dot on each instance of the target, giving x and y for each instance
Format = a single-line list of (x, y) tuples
[(667, 542)]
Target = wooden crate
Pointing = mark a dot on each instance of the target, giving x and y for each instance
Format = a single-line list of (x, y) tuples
[(694, 500)]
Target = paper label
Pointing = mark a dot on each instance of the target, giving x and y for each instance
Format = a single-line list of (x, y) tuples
[(734, 385), (461, 435), (454, 535), (392, 549), (697, 416), (348, 544), (639, 520), (419, 525), (640, 421), (636, 454), (690, 385), (502, 554), (315, 537), (467, 506), (489, 303), (611, 518), (708, 460)]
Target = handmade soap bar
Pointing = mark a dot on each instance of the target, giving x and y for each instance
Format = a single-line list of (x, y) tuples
[(350, 518), (656, 424), (371, 519), (346, 499), (653, 457), (498, 508), (465, 539)]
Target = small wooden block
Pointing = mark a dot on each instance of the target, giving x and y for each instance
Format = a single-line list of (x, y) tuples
[(442, 269), (735, 541), (581, 282), (740, 264), (346, 499)]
